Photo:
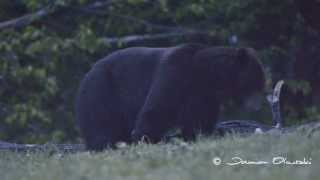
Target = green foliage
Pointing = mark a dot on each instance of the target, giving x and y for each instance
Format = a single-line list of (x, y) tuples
[(42, 64)]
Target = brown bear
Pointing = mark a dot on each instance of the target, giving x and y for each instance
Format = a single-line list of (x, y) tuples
[(148, 91)]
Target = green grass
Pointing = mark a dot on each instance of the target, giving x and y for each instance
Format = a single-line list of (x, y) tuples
[(175, 160)]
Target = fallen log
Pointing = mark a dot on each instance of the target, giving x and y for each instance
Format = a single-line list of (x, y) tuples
[(250, 126), (63, 148)]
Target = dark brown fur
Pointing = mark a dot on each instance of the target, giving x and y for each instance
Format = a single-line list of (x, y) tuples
[(151, 90)]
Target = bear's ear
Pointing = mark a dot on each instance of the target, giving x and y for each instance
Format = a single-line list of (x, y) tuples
[(243, 56)]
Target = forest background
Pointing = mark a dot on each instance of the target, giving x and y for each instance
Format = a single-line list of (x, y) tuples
[(46, 47)]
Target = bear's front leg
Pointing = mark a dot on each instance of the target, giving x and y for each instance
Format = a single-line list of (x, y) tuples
[(160, 111), (199, 115)]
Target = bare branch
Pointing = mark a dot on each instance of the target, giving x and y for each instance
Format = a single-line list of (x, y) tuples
[(274, 101), (50, 9), (91, 9), (139, 39), (26, 19)]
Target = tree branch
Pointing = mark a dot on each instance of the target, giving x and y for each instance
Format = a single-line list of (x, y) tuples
[(26, 19), (140, 39), (44, 12), (91, 9)]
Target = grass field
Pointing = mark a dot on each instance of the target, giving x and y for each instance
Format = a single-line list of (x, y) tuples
[(175, 160)]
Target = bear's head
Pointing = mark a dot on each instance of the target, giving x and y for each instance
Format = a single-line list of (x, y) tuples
[(235, 73)]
